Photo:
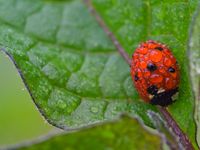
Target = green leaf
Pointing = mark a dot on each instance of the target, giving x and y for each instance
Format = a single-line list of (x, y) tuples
[(70, 67), (123, 134), (165, 21), (194, 57), (72, 70)]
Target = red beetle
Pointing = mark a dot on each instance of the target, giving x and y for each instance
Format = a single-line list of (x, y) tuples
[(155, 73)]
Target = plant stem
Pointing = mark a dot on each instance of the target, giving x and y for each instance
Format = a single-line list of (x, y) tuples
[(176, 129), (166, 115)]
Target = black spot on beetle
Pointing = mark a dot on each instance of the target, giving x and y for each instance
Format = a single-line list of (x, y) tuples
[(136, 78), (164, 99), (152, 90), (151, 67), (172, 70), (159, 48)]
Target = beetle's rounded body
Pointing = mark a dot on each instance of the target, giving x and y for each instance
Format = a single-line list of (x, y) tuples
[(155, 73)]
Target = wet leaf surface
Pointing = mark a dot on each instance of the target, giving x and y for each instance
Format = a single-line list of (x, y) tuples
[(72, 70)]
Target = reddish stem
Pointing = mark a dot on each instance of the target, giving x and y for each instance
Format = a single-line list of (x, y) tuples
[(167, 116), (176, 129)]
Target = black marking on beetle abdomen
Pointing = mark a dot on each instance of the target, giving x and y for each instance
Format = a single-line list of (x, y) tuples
[(152, 89), (172, 70), (164, 99), (151, 67), (159, 48), (136, 78)]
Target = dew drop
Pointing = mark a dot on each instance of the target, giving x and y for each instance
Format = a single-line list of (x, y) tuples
[(61, 104), (94, 109), (156, 78), (167, 62), (155, 56)]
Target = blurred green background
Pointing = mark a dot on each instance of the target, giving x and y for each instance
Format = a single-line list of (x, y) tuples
[(19, 118)]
